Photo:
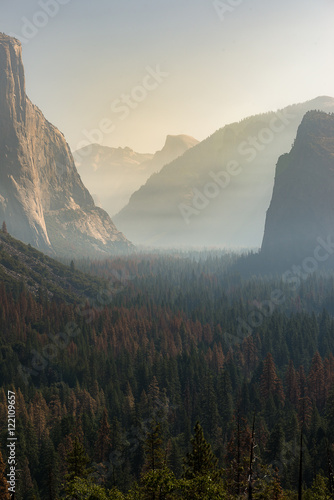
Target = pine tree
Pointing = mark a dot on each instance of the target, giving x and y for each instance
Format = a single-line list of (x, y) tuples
[(329, 412), (48, 470), (201, 460), (77, 461), (202, 479), (275, 444), (154, 399), (175, 457), (319, 490), (225, 400), (25, 486), (292, 389), (269, 382), (237, 455), (154, 453), (157, 485), (103, 443), (4, 228), (316, 380)]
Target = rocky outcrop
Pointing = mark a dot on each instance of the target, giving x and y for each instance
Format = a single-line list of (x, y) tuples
[(42, 197), (301, 212), (175, 146), (217, 192)]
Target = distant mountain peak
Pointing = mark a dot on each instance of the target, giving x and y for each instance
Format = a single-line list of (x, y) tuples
[(10, 39), (196, 199), (172, 140), (115, 173), (175, 143)]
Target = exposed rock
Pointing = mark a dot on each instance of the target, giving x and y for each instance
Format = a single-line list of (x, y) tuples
[(302, 207), (174, 147), (42, 198), (217, 192)]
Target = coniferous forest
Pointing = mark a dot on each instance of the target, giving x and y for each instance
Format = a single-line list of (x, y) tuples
[(175, 377), (166, 250)]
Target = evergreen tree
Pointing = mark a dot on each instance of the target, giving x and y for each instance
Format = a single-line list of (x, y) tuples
[(157, 485), (275, 444), (319, 490), (270, 383), (202, 479), (292, 389), (316, 381), (85, 489), (77, 461), (237, 456), (25, 486), (154, 453), (48, 473), (4, 228), (329, 411), (201, 460), (103, 443), (225, 399), (175, 457)]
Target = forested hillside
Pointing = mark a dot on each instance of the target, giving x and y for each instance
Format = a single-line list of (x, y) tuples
[(22, 267), (111, 389)]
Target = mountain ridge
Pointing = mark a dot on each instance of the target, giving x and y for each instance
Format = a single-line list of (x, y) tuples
[(113, 174), (216, 193), (23, 266)]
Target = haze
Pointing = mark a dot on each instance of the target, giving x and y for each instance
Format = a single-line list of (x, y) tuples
[(255, 56)]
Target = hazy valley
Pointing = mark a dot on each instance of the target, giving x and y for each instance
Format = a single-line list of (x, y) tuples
[(116, 173), (166, 318)]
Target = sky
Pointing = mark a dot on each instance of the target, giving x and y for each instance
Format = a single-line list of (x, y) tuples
[(129, 72)]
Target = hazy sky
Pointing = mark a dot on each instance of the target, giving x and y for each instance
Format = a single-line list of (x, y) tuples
[(84, 58)]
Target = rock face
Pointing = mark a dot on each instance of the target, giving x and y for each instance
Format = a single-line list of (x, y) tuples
[(301, 212), (174, 147), (113, 174), (42, 198), (217, 192)]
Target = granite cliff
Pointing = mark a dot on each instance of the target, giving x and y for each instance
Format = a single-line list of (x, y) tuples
[(301, 213), (217, 192), (42, 197)]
